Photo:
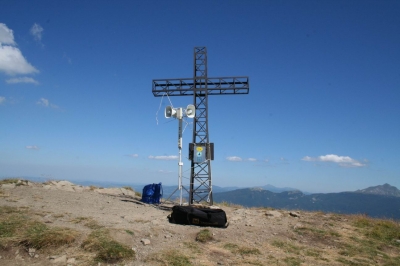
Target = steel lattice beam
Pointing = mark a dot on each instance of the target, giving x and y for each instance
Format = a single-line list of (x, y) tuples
[(200, 86)]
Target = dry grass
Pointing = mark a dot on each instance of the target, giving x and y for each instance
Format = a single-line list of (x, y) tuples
[(107, 249), (18, 228), (228, 204), (235, 249), (170, 258), (128, 188), (204, 236)]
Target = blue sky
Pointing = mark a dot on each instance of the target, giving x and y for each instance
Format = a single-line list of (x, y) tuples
[(322, 114)]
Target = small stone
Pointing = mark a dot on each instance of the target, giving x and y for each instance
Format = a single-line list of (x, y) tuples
[(273, 213), (298, 225), (294, 214), (36, 256), (398, 240), (62, 259), (145, 241), (71, 261), (31, 250)]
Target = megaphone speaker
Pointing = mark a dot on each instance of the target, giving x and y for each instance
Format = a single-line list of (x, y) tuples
[(190, 111), (169, 112)]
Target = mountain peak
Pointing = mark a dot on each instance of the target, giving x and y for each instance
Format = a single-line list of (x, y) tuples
[(383, 190)]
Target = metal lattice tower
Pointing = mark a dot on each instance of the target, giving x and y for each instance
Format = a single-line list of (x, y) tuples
[(200, 86)]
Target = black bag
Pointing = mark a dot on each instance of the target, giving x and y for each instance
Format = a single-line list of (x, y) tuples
[(198, 216)]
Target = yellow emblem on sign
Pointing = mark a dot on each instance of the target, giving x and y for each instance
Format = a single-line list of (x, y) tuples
[(199, 148)]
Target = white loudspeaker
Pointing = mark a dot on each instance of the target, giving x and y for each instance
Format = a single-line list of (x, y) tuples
[(169, 112), (190, 111)]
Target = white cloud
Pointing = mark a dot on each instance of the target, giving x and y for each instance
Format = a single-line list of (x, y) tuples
[(6, 35), (344, 161), (36, 32), (234, 159), (45, 102), (133, 155), (32, 147), (22, 80), (165, 171), (164, 157), (252, 159), (12, 61), (2, 99)]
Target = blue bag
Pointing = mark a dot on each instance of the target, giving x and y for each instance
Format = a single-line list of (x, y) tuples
[(152, 193)]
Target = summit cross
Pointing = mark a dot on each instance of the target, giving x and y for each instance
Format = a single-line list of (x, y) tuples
[(200, 87)]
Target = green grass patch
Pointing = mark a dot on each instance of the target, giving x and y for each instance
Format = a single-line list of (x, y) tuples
[(313, 253), (204, 236), (383, 230), (231, 247), (316, 233), (129, 232), (107, 250), (39, 235), (18, 228), (292, 261), (349, 262), (9, 181), (235, 249), (287, 247), (170, 258)]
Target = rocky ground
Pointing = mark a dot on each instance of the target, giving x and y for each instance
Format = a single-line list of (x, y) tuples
[(254, 236)]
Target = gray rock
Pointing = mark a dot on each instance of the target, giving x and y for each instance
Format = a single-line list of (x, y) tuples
[(273, 214), (145, 241), (294, 214), (31, 252)]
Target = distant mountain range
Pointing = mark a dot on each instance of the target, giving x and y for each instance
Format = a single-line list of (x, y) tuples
[(380, 201), (383, 190)]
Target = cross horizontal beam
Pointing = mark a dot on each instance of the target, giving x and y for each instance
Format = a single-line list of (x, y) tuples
[(187, 86)]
